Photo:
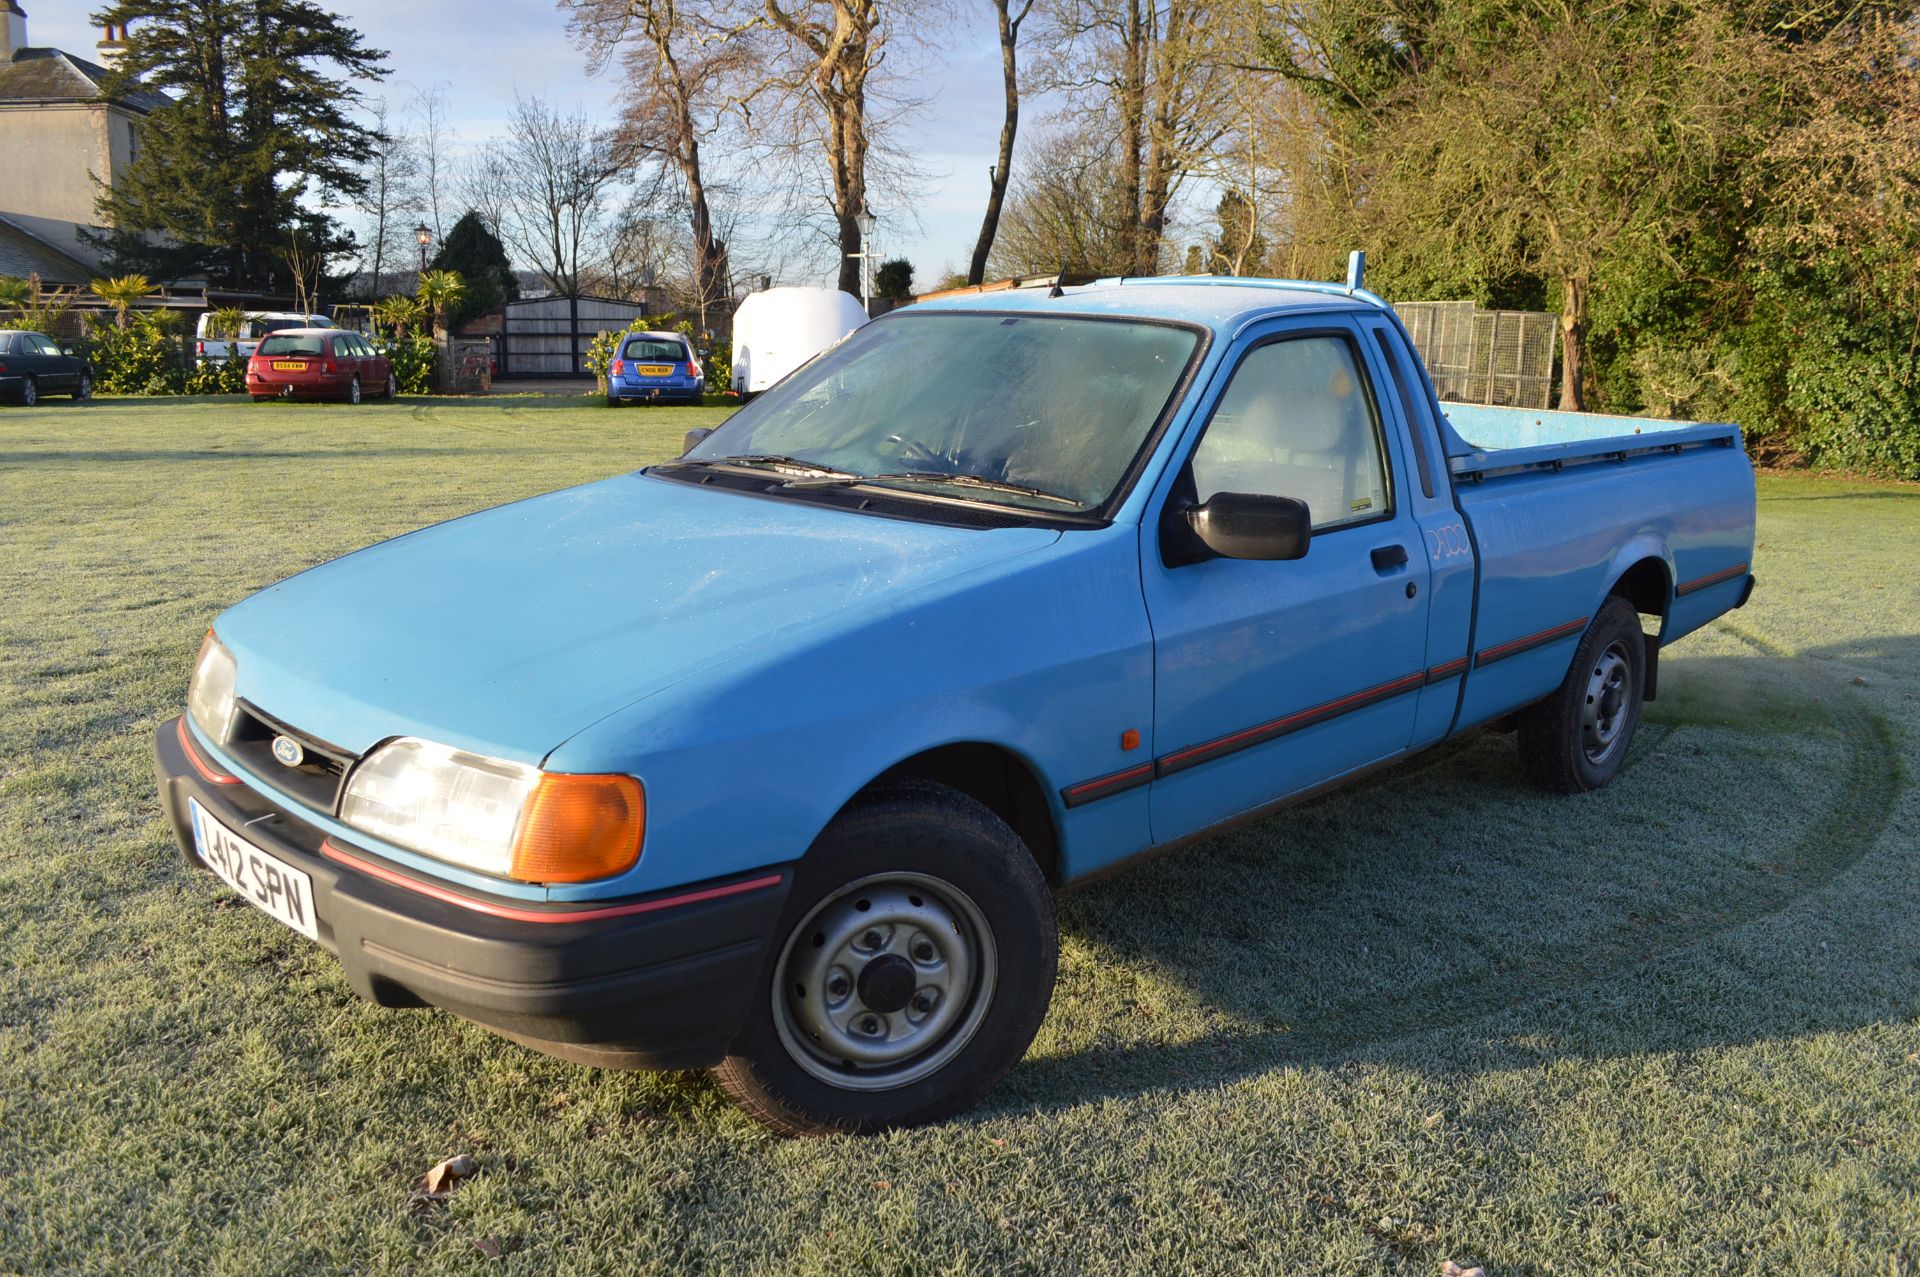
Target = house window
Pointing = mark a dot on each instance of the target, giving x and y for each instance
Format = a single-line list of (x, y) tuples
[(133, 142)]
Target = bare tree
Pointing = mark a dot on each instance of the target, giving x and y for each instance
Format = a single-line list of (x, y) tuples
[(675, 66), (546, 188), (1157, 77), (391, 195), (1069, 211), (1009, 22), (434, 144)]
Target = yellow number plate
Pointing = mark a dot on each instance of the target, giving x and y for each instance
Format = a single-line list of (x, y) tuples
[(656, 370), (288, 365)]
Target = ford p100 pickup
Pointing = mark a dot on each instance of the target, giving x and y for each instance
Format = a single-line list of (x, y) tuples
[(768, 758)]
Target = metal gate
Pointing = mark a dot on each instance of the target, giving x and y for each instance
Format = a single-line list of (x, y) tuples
[(548, 336), (1485, 356)]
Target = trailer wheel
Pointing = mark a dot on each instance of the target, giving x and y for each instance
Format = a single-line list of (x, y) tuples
[(1576, 740), (909, 973)]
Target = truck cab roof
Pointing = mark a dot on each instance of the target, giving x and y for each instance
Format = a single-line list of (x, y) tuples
[(1221, 303)]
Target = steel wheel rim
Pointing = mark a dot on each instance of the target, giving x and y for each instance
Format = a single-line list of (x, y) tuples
[(1604, 710), (835, 990)]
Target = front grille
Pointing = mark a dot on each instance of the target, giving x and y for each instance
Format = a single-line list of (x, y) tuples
[(315, 782)]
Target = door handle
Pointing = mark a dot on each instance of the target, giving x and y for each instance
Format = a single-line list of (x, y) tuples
[(1389, 556)]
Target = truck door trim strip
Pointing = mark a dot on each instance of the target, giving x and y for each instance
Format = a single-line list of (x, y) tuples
[(1441, 673), (1261, 733), (1711, 578), (1513, 647), (1107, 786)]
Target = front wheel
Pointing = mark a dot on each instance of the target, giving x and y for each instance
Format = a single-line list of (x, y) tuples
[(910, 971), (83, 389), (1576, 740), (393, 388)]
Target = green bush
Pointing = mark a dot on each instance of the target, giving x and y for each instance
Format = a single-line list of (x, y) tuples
[(1858, 409), (140, 359), (219, 377), (412, 360)]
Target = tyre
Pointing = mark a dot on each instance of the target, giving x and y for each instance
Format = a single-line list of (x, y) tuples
[(353, 391), (908, 975), (614, 401), (29, 392), (265, 398), (392, 391), (1576, 740), (83, 391)]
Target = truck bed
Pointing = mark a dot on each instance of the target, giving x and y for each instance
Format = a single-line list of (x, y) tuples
[(1483, 439)]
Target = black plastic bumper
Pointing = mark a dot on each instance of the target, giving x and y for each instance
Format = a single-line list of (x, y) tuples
[(666, 985)]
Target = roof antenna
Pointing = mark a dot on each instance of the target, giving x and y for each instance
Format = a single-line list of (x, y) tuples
[(1056, 290), (1356, 270)]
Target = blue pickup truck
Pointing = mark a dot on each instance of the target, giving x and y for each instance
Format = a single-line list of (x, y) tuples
[(768, 758)]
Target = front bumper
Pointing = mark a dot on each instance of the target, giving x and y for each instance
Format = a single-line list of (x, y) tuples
[(662, 981)]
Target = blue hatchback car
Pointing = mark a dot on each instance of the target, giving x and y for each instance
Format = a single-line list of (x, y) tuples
[(655, 368), (768, 758)]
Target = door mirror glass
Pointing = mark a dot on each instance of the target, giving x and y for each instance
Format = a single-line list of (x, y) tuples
[(1248, 525)]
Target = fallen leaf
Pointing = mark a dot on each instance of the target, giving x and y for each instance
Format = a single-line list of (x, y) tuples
[(1607, 1198), (999, 1143), (489, 1246), (883, 1184), (442, 1178), (1451, 1269), (1858, 681), (1433, 1120)]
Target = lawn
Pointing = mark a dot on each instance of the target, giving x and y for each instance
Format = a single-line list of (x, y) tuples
[(1669, 1028)]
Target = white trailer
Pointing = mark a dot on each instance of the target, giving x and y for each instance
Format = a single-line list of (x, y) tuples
[(776, 331)]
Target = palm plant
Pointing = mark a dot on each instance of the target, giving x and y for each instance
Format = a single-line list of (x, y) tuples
[(122, 293), (15, 293), (401, 314), (441, 291), (225, 322)]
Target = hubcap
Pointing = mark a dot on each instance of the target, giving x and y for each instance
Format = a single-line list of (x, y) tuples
[(1603, 716), (884, 982)]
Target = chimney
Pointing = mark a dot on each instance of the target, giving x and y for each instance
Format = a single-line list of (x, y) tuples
[(110, 50), (13, 29)]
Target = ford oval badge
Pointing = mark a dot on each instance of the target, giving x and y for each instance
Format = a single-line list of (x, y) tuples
[(288, 751)]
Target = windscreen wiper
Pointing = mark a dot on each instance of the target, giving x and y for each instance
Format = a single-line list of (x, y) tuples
[(762, 460), (958, 479)]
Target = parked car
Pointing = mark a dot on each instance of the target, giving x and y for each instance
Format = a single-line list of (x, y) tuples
[(655, 368), (779, 329), (319, 363), (33, 365), (212, 349), (766, 758)]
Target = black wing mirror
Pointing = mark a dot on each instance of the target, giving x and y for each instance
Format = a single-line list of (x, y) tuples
[(694, 438), (1236, 525)]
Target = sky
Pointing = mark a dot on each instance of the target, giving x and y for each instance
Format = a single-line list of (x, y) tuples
[(481, 52)]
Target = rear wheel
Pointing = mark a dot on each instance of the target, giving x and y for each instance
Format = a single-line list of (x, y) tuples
[(910, 971), (353, 391), (29, 392), (1576, 740)]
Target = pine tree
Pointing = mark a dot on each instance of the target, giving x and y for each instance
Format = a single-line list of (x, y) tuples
[(258, 133), (478, 256)]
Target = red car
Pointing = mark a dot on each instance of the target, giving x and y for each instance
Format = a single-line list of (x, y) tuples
[(319, 363)]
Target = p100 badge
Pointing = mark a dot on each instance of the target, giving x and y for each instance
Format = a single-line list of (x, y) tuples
[(288, 751)]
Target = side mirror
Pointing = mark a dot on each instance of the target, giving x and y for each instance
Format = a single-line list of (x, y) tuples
[(693, 439), (1236, 525)]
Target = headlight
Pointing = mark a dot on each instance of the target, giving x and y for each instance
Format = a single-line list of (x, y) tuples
[(501, 818), (210, 695)]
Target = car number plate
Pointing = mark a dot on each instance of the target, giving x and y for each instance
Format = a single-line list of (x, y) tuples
[(288, 365), (656, 370), (270, 884)]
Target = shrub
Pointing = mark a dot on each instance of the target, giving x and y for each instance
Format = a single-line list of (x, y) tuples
[(140, 359), (219, 377), (412, 360), (1858, 409)]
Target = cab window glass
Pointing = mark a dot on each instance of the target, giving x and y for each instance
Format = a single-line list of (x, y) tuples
[(1296, 421)]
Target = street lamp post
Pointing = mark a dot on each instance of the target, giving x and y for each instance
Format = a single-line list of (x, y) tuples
[(423, 236), (865, 220)]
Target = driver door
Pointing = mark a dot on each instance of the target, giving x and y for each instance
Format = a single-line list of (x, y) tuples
[(1273, 677)]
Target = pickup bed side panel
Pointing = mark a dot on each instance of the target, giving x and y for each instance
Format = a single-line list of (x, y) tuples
[(1553, 543)]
